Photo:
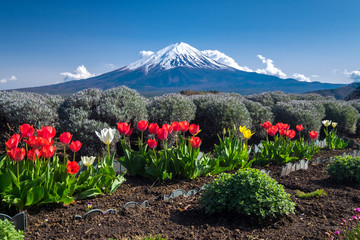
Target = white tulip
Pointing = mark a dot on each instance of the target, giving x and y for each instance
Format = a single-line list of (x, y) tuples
[(88, 161), (326, 123), (106, 135), (334, 124)]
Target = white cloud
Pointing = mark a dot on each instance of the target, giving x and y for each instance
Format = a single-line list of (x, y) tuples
[(354, 75), (5, 80), (224, 59), (110, 66), (270, 68), (80, 73), (146, 53), (301, 77), (315, 76)]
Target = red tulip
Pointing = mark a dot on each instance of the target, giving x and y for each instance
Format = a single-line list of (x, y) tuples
[(142, 125), (299, 127), (65, 137), (33, 142), (26, 130), (123, 127), (290, 134), (266, 125), (72, 167), (16, 154), (195, 142), (168, 128), (153, 127), (272, 131), (279, 126), (13, 141), (47, 132), (194, 129), (128, 133), (162, 133), (33, 154), (313, 135), (286, 126), (75, 146), (282, 132), (184, 126), (45, 141), (47, 151), (175, 126), (152, 143)]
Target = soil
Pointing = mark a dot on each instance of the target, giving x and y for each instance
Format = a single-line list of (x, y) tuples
[(183, 218)]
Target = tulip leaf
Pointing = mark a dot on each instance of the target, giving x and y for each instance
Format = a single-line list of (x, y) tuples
[(89, 193), (34, 196)]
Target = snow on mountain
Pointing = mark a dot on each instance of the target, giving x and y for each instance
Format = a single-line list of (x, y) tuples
[(175, 55), (225, 59)]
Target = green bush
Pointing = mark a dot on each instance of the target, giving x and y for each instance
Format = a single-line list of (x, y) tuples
[(248, 192), (307, 113), (216, 112), (8, 231), (269, 99), (171, 107), (309, 97), (356, 105), (344, 114), (345, 169)]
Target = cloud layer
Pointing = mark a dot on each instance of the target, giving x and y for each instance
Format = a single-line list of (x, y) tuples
[(80, 73), (224, 59), (270, 68), (354, 75), (146, 53), (5, 80), (301, 77)]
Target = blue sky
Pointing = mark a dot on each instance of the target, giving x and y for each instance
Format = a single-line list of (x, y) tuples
[(39, 40)]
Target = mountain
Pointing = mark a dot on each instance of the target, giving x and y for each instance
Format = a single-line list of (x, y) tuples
[(345, 92), (181, 67)]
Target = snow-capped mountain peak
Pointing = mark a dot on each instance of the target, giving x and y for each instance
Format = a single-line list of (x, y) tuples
[(176, 55)]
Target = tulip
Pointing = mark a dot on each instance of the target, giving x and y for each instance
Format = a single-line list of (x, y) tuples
[(45, 141), (162, 133), (247, 134), (313, 135), (72, 167), (106, 135), (272, 131), (128, 133), (286, 126), (280, 126), (266, 125), (195, 142), (242, 129), (65, 137), (184, 126), (142, 125), (290, 134), (26, 130), (194, 129), (47, 132), (334, 124), (175, 126), (47, 151), (168, 128), (88, 161), (326, 123), (153, 127), (123, 127), (282, 132), (13, 141), (152, 143), (299, 127), (33, 154), (33, 142), (16, 154), (75, 146)]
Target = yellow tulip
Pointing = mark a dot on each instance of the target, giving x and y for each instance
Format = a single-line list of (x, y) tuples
[(326, 123), (334, 124), (242, 129), (247, 134)]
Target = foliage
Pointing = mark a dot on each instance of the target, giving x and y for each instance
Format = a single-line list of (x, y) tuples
[(308, 97), (316, 193), (350, 228), (345, 169), (248, 192), (331, 138), (8, 231), (269, 99), (170, 108)]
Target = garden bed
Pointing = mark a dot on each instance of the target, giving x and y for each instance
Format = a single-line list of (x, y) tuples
[(183, 218)]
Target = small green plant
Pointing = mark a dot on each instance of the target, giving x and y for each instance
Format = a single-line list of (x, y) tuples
[(8, 231), (316, 193), (345, 169), (331, 138), (248, 192), (350, 228)]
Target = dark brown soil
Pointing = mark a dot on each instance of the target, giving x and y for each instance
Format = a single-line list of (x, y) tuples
[(183, 218)]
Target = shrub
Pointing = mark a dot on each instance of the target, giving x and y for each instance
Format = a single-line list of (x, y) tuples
[(216, 112), (344, 114), (8, 231), (307, 113), (356, 105), (345, 169), (171, 107), (309, 97), (270, 98), (248, 192)]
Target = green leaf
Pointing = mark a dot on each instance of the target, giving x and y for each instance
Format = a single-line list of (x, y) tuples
[(34, 196), (89, 193)]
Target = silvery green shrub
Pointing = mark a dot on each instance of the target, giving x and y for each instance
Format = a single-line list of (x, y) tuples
[(309, 97), (344, 114), (171, 107), (270, 98), (307, 113), (258, 115), (356, 105), (216, 112)]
